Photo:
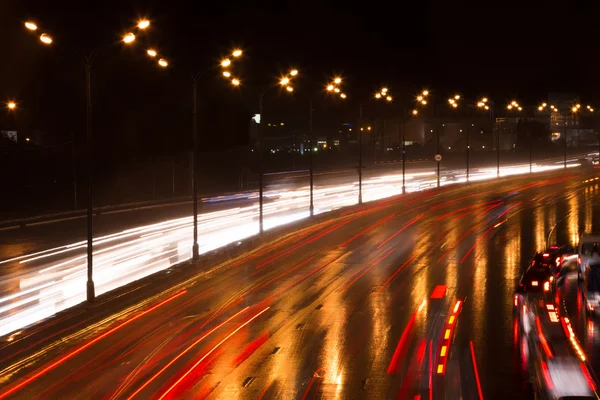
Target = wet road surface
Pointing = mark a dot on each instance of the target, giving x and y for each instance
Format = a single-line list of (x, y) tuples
[(408, 297)]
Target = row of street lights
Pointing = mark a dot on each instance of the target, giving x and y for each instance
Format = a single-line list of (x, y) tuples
[(227, 64)]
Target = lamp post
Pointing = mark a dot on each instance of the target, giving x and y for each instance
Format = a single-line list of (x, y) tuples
[(284, 82), (333, 87), (484, 104), (383, 95), (88, 60), (453, 102), (515, 107)]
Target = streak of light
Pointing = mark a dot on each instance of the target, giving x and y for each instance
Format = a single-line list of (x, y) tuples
[(400, 268), (479, 391), (52, 280), (542, 338), (88, 344), (376, 224), (361, 272), (402, 343), (479, 239), (209, 353), (406, 225), (181, 354)]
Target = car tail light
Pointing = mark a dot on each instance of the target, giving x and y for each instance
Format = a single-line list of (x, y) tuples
[(546, 286), (546, 255), (534, 283)]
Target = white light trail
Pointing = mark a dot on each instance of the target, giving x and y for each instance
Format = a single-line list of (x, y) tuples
[(54, 279)]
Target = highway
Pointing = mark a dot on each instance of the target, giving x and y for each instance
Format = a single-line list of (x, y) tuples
[(405, 297), (50, 275)]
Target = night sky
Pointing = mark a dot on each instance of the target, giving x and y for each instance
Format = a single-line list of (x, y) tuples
[(443, 46)]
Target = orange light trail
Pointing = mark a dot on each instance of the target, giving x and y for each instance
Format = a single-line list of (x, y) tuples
[(163, 369), (87, 345), (209, 353)]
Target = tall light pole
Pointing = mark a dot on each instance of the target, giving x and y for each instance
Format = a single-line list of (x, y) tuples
[(284, 82), (383, 95), (333, 87), (88, 60), (514, 106), (453, 102), (484, 104)]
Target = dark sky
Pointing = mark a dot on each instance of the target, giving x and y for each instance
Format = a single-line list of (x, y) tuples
[(521, 50)]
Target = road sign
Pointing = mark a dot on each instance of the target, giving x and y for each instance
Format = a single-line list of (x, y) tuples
[(438, 157)]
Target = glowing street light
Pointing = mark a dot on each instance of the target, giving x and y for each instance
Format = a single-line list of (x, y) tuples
[(415, 112), (343, 95), (294, 72), (337, 81), (226, 74), (284, 81), (389, 98), (237, 53), (128, 38), (457, 96), (337, 90), (163, 63), (574, 109), (226, 62), (377, 95), (425, 92), (289, 89), (31, 26), (424, 102), (454, 105), (419, 98), (11, 105), (384, 90), (152, 52), (235, 82), (143, 24), (45, 38), (330, 88)]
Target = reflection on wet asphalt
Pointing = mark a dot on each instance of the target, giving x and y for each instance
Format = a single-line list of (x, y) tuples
[(409, 297)]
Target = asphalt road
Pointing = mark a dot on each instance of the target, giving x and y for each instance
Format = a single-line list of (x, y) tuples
[(358, 306)]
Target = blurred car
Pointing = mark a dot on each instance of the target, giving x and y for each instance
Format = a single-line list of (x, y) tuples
[(539, 276), (589, 248), (591, 286)]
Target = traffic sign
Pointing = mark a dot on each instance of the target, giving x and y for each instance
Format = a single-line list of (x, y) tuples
[(438, 157)]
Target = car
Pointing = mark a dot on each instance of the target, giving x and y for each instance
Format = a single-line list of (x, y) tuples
[(539, 276), (591, 287), (589, 248)]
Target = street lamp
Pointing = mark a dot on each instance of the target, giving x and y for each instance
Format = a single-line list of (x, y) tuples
[(87, 63), (329, 88), (143, 24), (11, 105), (163, 63), (151, 52), (45, 38), (128, 38), (381, 94)]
